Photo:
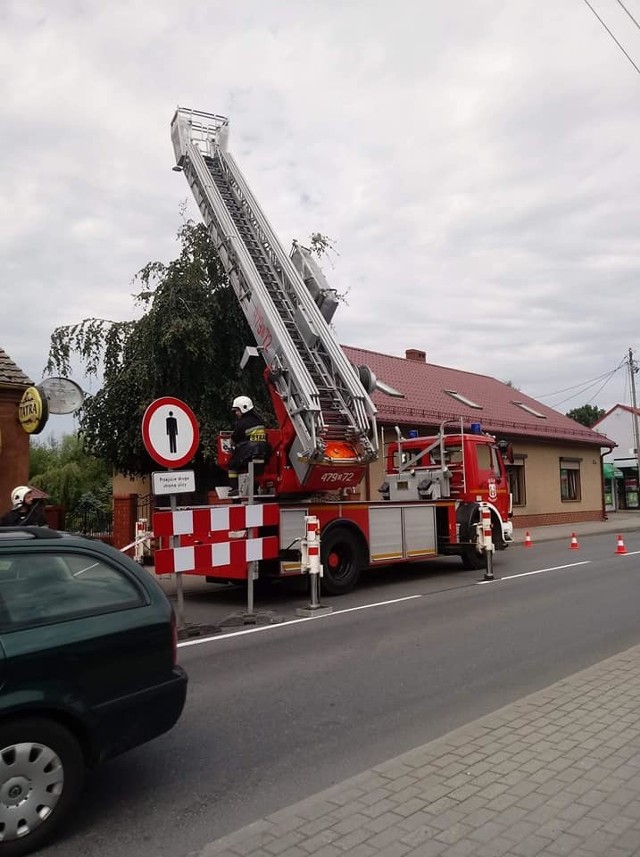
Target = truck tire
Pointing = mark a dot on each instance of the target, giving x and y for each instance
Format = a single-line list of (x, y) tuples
[(341, 557), (41, 775), (472, 560)]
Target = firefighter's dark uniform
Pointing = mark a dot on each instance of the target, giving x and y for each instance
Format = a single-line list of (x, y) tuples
[(249, 440), (27, 514)]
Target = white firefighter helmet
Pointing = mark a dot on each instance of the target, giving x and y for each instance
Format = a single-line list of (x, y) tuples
[(243, 404), (18, 494)]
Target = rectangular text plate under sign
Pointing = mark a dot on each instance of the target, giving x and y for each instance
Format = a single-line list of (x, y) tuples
[(173, 481)]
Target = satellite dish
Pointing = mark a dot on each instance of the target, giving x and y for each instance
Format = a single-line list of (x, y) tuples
[(63, 395)]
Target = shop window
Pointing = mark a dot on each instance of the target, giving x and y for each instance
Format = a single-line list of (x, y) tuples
[(570, 480)]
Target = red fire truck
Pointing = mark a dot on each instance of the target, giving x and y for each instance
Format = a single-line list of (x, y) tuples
[(327, 434)]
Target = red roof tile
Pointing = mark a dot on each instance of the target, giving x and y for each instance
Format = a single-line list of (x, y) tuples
[(10, 374), (427, 404)]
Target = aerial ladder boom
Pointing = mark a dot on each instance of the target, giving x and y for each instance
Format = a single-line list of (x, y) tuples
[(325, 396)]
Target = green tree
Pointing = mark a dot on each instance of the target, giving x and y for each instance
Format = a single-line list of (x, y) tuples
[(586, 415), (67, 472), (187, 343)]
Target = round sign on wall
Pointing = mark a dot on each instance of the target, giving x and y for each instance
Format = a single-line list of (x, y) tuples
[(170, 432), (33, 410), (64, 396)]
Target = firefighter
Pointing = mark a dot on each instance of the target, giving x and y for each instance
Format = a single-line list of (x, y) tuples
[(249, 440), (26, 508)]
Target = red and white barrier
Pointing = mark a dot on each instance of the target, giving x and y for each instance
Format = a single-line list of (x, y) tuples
[(487, 534), (214, 519), (310, 560), (223, 538), (228, 558), (141, 537)]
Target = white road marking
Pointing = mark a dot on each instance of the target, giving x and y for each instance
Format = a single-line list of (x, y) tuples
[(199, 641), (538, 571)]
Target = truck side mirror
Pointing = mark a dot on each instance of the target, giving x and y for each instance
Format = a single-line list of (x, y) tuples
[(506, 450)]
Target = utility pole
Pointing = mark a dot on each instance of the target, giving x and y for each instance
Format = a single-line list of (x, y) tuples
[(634, 404)]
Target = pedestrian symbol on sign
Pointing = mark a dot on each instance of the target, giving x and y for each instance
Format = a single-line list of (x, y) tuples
[(172, 431)]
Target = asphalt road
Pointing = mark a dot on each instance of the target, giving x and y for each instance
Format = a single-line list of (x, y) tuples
[(280, 712)]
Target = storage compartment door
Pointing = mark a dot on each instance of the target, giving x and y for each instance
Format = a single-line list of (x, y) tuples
[(385, 533), (419, 531)]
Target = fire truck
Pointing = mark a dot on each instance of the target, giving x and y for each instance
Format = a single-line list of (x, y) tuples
[(327, 434)]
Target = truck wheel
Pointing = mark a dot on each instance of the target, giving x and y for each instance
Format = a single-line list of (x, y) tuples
[(341, 561), (41, 775), (470, 557), (472, 560)]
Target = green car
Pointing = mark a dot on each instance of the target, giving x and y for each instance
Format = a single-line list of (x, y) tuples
[(87, 670)]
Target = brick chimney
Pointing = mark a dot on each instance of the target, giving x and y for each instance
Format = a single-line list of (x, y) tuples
[(416, 354)]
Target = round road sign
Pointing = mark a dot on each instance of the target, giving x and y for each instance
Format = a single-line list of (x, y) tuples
[(170, 432)]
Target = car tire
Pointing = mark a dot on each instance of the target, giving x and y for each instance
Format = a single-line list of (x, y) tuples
[(41, 776)]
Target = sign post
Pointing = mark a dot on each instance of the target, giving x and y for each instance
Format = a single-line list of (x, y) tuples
[(171, 435)]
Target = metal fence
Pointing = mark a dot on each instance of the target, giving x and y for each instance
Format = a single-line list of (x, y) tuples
[(89, 522), (146, 508)]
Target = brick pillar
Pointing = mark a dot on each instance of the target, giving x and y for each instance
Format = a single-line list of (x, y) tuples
[(125, 510), (55, 517)]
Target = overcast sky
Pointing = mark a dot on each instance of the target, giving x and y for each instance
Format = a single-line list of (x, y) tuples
[(476, 163)]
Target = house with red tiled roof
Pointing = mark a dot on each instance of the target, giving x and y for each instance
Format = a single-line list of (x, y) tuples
[(556, 475), (14, 441), (621, 424)]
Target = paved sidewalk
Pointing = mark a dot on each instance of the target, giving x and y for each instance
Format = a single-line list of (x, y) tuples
[(617, 522), (556, 773)]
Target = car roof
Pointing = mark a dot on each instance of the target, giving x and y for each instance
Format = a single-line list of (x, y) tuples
[(21, 534)]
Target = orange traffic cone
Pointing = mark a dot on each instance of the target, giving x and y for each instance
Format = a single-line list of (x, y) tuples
[(527, 540), (574, 542), (620, 548)]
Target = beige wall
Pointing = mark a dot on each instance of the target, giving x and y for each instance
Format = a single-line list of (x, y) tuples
[(542, 478), (123, 485)]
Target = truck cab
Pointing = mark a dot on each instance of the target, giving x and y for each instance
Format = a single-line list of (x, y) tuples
[(465, 466)]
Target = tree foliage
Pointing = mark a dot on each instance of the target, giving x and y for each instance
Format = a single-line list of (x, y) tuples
[(68, 473), (586, 415), (188, 343)]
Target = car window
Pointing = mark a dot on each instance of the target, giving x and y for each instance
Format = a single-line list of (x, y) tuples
[(40, 588)]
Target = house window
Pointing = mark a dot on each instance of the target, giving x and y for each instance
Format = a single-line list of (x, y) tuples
[(517, 485), (570, 480)]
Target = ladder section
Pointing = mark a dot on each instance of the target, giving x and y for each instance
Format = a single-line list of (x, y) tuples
[(331, 411)]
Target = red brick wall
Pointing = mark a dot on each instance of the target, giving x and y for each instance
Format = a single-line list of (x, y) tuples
[(14, 455), (55, 517), (552, 518), (125, 510)]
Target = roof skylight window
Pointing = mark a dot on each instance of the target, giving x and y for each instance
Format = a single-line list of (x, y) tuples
[(463, 399), (530, 410)]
